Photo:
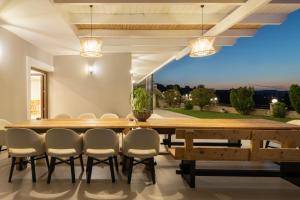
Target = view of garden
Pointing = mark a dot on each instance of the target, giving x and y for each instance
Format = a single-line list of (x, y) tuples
[(202, 102)]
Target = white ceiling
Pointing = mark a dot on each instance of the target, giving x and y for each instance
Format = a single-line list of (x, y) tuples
[(51, 25)]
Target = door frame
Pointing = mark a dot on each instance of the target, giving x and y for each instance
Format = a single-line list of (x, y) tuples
[(44, 91), (38, 65)]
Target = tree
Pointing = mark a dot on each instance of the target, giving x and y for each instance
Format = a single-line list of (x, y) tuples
[(202, 96), (279, 110), (242, 99), (294, 95), (172, 97)]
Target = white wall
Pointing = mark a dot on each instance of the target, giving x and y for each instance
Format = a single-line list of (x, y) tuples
[(73, 90), (13, 83)]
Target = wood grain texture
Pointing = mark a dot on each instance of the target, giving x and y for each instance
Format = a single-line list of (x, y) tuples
[(249, 124), (160, 26), (74, 123), (176, 123), (289, 139)]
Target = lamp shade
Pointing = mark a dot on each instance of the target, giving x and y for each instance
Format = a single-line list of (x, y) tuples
[(90, 47), (202, 47)]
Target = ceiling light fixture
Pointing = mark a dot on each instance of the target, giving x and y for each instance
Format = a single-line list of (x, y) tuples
[(203, 46), (90, 46)]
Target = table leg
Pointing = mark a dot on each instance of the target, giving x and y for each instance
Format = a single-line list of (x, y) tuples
[(290, 171), (188, 171)]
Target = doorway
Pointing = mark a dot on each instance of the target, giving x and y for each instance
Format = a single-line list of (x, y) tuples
[(38, 94)]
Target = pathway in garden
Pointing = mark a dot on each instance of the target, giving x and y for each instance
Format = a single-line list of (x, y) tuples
[(169, 114)]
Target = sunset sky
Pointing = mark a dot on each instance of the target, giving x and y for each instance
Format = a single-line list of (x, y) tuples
[(269, 60)]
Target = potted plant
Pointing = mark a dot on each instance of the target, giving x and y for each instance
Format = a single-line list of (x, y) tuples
[(140, 104)]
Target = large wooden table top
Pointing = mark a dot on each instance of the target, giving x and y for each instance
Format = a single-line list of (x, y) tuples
[(177, 123)]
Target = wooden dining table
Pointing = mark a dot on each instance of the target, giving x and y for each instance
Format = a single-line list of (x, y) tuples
[(164, 123), (163, 126), (166, 126)]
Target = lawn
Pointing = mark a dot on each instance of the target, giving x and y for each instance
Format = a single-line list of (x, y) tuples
[(219, 115)]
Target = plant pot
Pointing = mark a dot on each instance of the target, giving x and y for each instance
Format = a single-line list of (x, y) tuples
[(142, 116)]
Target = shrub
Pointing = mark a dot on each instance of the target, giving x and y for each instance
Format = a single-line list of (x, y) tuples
[(242, 99), (201, 96), (172, 97), (279, 110), (188, 105), (294, 95)]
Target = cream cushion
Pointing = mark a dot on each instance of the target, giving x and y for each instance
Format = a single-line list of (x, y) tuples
[(101, 153), (22, 152), (142, 153), (63, 142), (23, 142), (142, 143), (62, 152)]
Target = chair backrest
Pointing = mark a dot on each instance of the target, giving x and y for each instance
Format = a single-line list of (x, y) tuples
[(4, 123), (24, 138), (100, 138), (87, 116), (143, 138), (130, 116), (109, 116), (63, 116), (60, 138)]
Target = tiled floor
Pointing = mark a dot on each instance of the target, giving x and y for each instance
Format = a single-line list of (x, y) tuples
[(169, 185)]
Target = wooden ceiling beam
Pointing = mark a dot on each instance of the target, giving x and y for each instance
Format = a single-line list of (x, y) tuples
[(164, 42), (234, 2), (148, 1), (169, 19), (163, 33), (160, 26)]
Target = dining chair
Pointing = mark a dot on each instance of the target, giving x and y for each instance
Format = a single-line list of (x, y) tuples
[(142, 144), (63, 116), (130, 116), (109, 116), (23, 143), (87, 116), (3, 130), (60, 144), (101, 146)]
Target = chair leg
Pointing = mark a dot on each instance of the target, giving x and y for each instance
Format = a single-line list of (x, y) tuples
[(111, 165), (89, 169), (51, 169), (130, 170), (47, 161), (72, 169), (12, 167), (116, 163), (81, 163), (267, 144), (32, 162), (124, 164), (152, 169)]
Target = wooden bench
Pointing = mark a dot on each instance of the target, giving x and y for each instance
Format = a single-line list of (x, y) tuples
[(288, 155)]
